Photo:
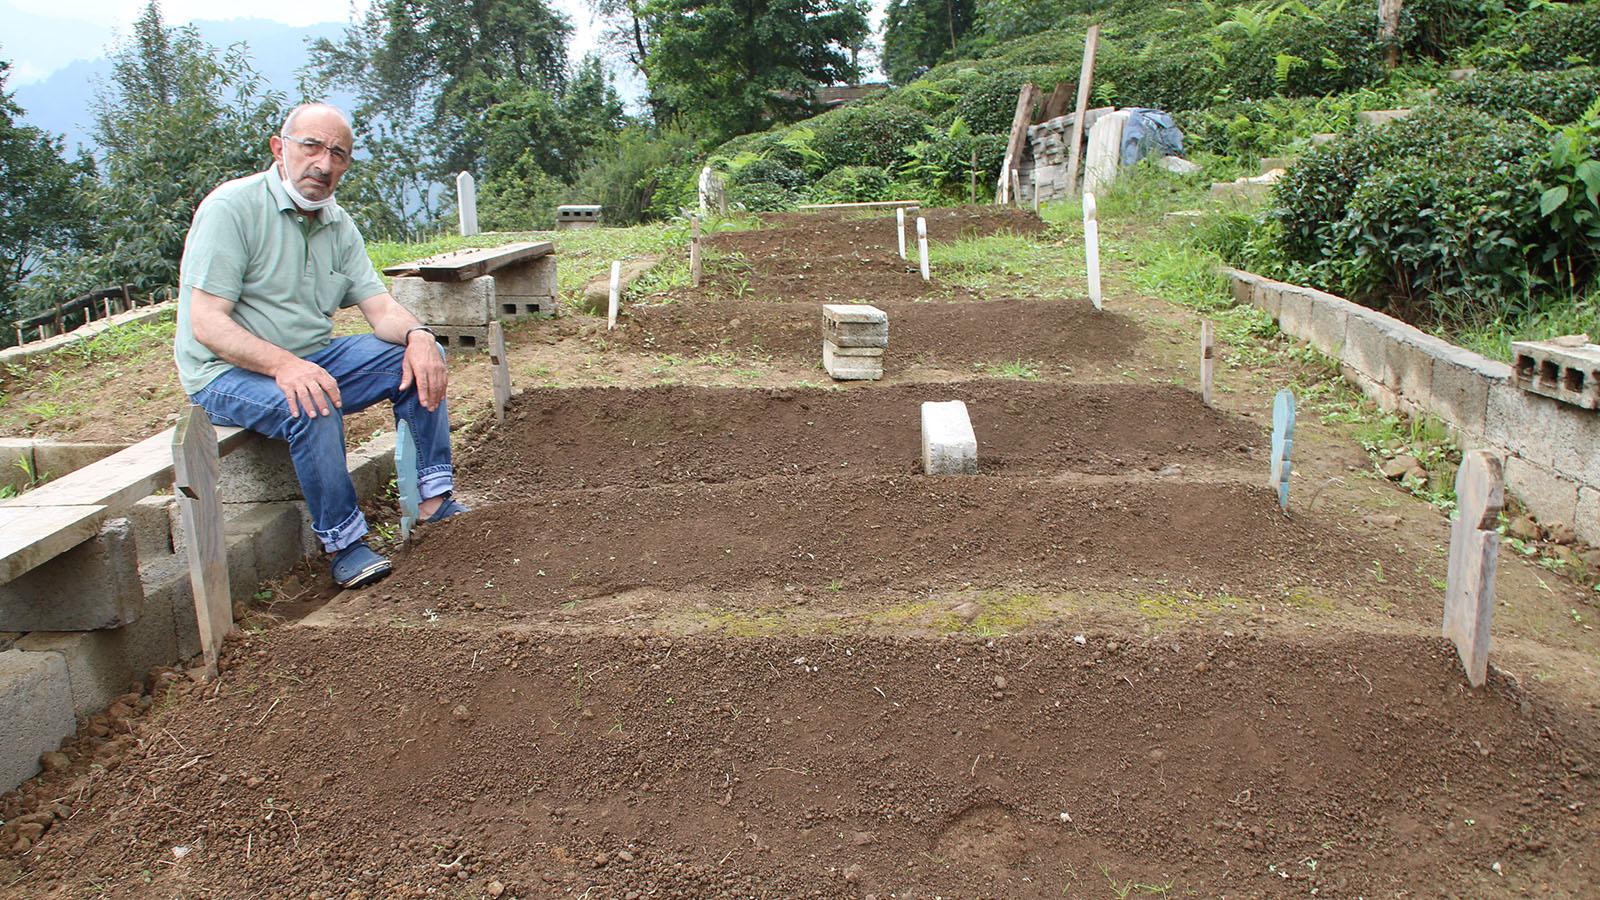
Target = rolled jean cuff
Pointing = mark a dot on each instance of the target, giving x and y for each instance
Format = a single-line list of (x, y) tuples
[(435, 481), (352, 529)]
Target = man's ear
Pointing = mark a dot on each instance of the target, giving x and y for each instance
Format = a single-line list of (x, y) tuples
[(275, 144)]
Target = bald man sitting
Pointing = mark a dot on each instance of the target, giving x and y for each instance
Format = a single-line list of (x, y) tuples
[(268, 260)]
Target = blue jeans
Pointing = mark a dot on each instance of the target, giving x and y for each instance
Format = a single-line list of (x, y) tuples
[(367, 370)]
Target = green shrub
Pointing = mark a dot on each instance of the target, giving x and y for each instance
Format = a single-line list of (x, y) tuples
[(1433, 29), (767, 171), (852, 184), (762, 196), (866, 134), (1558, 36), (1558, 97), (988, 100)]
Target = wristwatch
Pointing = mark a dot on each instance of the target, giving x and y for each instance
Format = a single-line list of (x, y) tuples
[(407, 339)]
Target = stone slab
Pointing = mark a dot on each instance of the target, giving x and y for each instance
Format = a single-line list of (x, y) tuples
[(855, 334), (36, 707), (465, 265), (93, 585), (459, 304), (1545, 493), (1474, 554), (852, 363), (949, 445), (854, 313)]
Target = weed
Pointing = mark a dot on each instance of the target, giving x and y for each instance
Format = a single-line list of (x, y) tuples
[(1024, 370)]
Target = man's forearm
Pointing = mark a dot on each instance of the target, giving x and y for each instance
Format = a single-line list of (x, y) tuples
[(394, 324), (229, 340)]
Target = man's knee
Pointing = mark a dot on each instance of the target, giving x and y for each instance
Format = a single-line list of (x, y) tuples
[(320, 428)]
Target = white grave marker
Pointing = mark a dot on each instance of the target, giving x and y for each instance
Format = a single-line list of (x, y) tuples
[(900, 229), (467, 203), (616, 295), (922, 245), (1208, 360), (949, 445), (705, 190), (1474, 552), (502, 369), (1282, 444), (695, 263), (1091, 247)]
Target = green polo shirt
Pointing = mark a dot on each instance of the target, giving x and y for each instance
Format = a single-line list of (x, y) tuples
[(285, 271)]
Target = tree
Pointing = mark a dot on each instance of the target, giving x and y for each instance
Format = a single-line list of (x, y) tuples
[(629, 34), (917, 34), (738, 65), (176, 119), (39, 209)]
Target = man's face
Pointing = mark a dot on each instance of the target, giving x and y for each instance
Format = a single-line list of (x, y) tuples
[(314, 169)]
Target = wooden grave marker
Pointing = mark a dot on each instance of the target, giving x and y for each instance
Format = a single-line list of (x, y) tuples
[(922, 246), (1208, 359), (1091, 42), (1474, 554), (406, 480), (1282, 444), (696, 271), (1091, 248), (615, 302), (196, 467), (900, 230), (502, 369), (1026, 98)]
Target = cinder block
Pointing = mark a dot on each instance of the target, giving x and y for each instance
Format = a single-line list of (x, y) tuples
[(274, 533), (1460, 390), (851, 326), (1587, 523), (16, 462), (93, 585), (1294, 311), (949, 446), (1513, 422), (1547, 495), (1573, 436), (534, 278), (259, 471), (1242, 285), (1265, 296), (54, 459), (1329, 315), (372, 465), (852, 363), (1370, 347), (101, 664), (1568, 374), (1412, 362), (447, 303), (36, 707), (167, 586), (461, 337)]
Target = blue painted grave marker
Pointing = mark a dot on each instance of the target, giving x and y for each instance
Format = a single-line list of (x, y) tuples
[(1282, 444), (405, 477)]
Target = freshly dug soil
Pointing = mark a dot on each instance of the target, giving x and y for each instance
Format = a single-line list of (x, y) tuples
[(874, 534), (1047, 333), (386, 763), (839, 257), (559, 439)]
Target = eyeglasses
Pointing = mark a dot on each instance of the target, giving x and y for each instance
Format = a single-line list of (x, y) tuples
[(314, 147)]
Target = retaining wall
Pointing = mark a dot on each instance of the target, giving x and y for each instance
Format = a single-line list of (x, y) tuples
[(51, 680), (1552, 449)]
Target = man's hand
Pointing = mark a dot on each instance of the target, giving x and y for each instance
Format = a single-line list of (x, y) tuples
[(307, 386), (424, 366)]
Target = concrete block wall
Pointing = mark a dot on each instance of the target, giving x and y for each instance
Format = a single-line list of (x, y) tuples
[(51, 680), (1552, 449)]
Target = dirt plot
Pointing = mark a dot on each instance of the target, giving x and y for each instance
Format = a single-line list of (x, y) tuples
[(880, 534), (839, 257), (432, 762), (990, 332), (562, 439)]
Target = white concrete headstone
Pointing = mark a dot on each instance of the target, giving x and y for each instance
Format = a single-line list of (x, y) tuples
[(922, 246), (1091, 247), (1474, 553), (1208, 360), (467, 203), (696, 265), (616, 295), (949, 445), (705, 190), (900, 229)]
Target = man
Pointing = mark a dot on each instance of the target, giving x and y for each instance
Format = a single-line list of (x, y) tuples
[(268, 260)]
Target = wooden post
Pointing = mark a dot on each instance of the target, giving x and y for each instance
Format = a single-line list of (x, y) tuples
[(406, 480), (1474, 554), (196, 466), (1036, 189), (1016, 188), (1091, 248), (696, 265), (616, 295), (1019, 136), (502, 369), (900, 229), (1207, 359), (974, 170), (922, 245), (1085, 80)]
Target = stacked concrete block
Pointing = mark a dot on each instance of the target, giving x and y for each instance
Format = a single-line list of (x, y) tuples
[(949, 445), (458, 311), (853, 340), (36, 707), (1564, 369), (93, 585), (574, 216), (526, 288), (1044, 163)]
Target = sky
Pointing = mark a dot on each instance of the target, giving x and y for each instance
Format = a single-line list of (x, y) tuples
[(41, 36)]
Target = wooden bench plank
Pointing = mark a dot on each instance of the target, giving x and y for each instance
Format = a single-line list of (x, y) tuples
[(123, 478), (30, 536), (465, 265)]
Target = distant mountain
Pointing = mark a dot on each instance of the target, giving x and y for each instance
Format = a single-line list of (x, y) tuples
[(60, 103)]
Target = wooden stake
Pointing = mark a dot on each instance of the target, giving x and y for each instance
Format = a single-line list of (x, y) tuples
[(1091, 247), (502, 370), (900, 228), (406, 480), (1016, 187), (1085, 79), (1474, 554), (1207, 359), (616, 295), (1019, 136), (974, 170), (695, 264), (196, 466), (922, 245)]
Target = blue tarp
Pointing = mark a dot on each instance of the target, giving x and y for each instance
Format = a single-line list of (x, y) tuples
[(1149, 132)]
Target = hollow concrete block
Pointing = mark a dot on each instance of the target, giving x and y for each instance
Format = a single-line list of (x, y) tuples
[(1294, 311), (274, 532), (36, 707), (1587, 517), (1369, 344), (93, 585), (1460, 389), (949, 446), (156, 526), (852, 363), (102, 664), (1329, 317), (464, 304), (16, 462), (1550, 497), (1513, 421), (260, 471)]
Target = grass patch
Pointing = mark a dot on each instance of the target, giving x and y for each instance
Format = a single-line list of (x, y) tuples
[(1181, 606)]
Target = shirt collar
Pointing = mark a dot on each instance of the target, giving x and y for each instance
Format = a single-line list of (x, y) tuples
[(285, 204)]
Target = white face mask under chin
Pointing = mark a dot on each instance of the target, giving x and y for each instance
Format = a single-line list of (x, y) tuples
[(299, 199)]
